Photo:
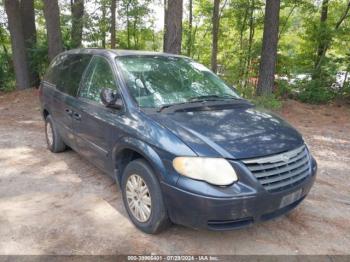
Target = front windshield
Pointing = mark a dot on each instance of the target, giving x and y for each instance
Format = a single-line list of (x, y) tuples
[(156, 81)]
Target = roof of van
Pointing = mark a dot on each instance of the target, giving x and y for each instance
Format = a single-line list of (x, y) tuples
[(118, 52)]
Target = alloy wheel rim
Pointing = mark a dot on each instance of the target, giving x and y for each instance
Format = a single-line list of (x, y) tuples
[(49, 134), (138, 198)]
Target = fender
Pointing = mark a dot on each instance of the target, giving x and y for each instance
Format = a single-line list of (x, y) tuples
[(141, 148)]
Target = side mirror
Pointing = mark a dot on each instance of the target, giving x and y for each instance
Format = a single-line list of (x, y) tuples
[(111, 99)]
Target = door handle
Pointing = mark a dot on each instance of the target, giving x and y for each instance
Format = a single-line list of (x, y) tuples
[(68, 111), (76, 116)]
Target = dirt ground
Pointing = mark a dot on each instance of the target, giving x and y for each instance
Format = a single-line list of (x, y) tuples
[(61, 204)]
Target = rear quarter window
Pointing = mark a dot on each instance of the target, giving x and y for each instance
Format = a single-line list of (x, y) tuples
[(70, 73), (52, 73)]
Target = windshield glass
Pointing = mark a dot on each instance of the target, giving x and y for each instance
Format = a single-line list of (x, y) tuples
[(156, 81)]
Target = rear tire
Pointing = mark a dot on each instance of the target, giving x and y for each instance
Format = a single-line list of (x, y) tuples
[(143, 198), (53, 139)]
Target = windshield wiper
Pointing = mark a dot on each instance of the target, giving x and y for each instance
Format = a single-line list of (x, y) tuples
[(211, 97), (160, 109), (199, 99)]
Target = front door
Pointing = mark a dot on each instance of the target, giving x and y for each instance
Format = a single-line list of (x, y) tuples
[(94, 124)]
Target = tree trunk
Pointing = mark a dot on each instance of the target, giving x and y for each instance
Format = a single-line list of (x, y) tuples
[(189, 37), (77, 9), (128, 23), (29, 33), (173, 26), (52, 18), (269, 48), (247, 69), (165, 40), (135, 34), (103, 7), (113, 27), (242, 54), (215, 32), (322, 45), (17, 43), (194, 34)]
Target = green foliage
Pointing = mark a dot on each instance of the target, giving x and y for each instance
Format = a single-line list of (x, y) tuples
[(345, 92), (7, 76), (38, 58), (315, 92), (268, 102), (272, 102), (318, 90), (283, 89), (139, 32), (240, 40), (247, 91)]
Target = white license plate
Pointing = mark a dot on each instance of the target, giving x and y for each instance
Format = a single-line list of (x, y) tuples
[(291, 198)]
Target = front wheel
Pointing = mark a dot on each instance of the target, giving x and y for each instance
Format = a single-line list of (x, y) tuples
[(143, 198)]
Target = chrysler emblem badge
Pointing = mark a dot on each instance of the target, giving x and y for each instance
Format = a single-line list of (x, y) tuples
[(284, 158)]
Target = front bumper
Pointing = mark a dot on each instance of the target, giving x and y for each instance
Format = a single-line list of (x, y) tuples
[(199, 205)]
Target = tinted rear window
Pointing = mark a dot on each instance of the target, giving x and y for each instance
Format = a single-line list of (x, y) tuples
[(66, 72), (52, 73), (71, 71)]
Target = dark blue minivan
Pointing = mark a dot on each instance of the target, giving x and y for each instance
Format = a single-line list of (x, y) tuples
[(182, 145)]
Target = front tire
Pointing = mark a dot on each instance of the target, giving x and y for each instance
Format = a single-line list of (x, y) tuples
[(53, 139), (143, 198)]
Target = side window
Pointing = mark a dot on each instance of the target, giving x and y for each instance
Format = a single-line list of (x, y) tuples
[(52, 74), (71, 71), (99, 76)]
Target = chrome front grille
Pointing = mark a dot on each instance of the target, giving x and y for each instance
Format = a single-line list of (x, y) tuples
[(278, 172)]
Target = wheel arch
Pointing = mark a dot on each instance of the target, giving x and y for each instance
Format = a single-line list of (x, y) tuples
[(45, 113), (128, 149)]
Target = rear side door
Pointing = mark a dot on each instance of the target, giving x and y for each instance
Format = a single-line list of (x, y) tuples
[(95, 125), (69, 73)]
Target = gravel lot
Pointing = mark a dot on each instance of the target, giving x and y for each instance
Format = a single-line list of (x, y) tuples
[(61, 204)]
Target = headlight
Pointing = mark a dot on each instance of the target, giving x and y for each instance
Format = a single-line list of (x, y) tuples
[(216, 171)]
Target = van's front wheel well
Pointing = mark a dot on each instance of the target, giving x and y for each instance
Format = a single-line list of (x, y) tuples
[(45, 113), (123, 158)]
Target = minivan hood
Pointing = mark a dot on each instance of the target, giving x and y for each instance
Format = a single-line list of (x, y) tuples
[(236, 133)]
